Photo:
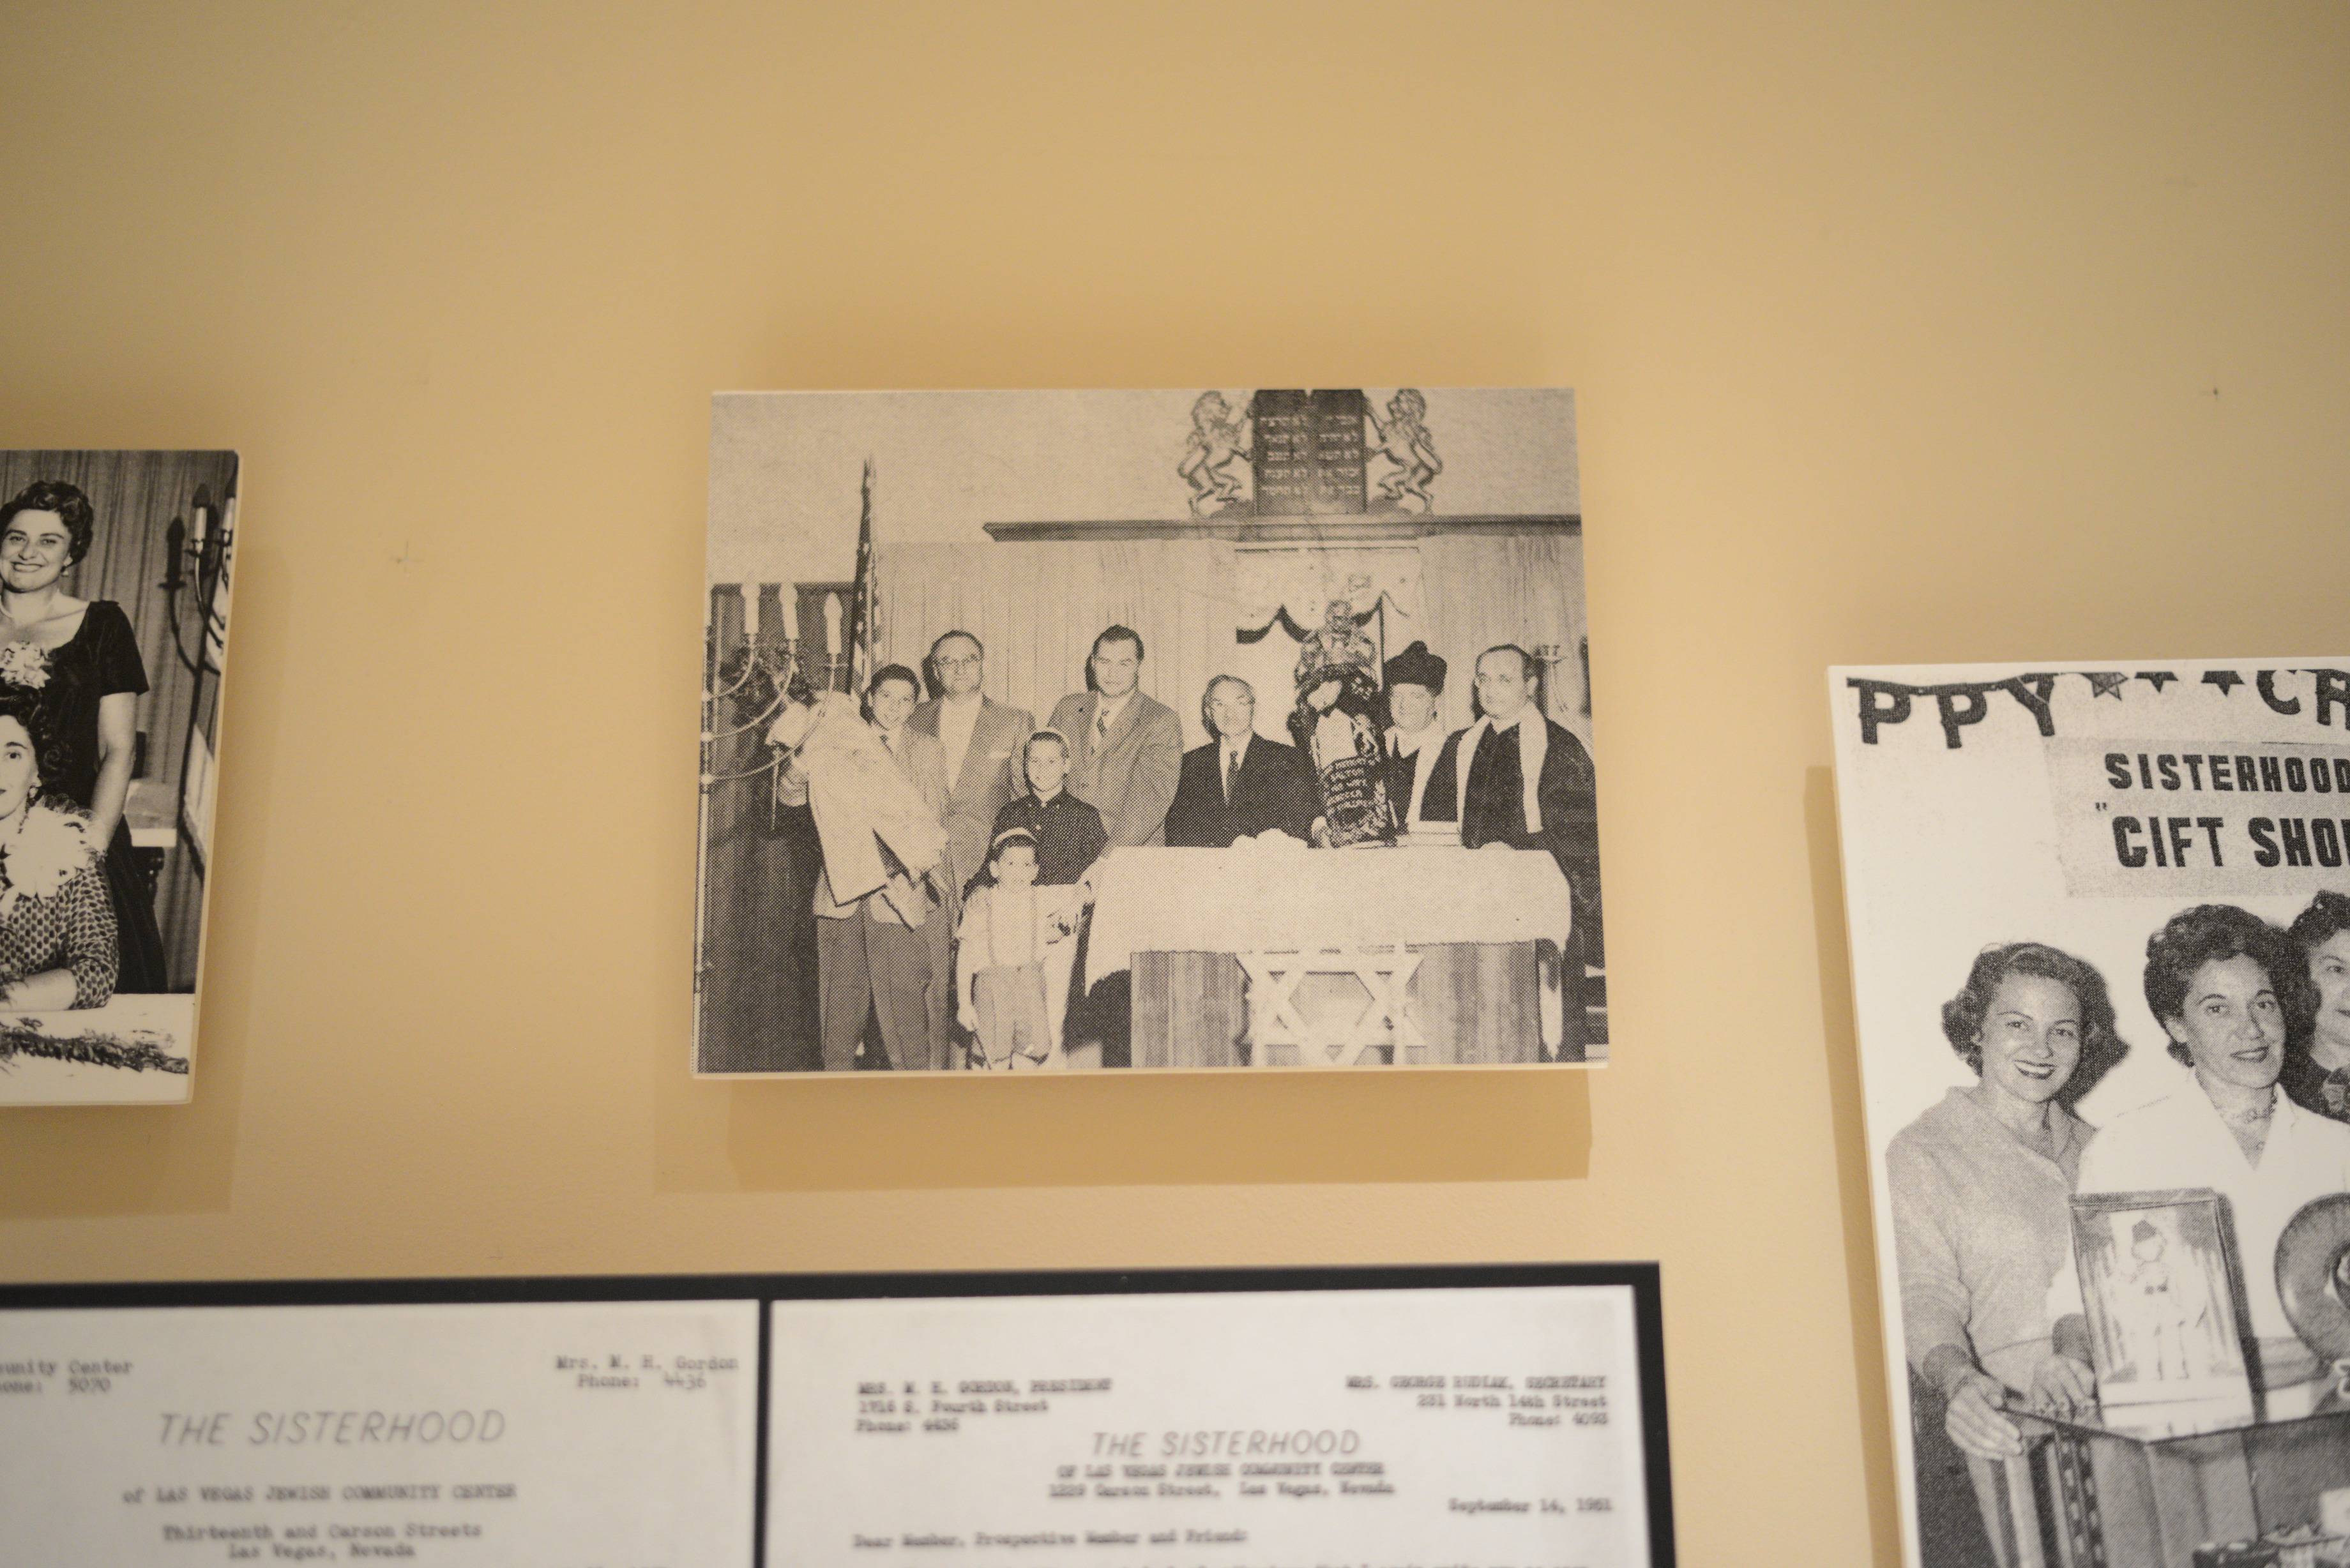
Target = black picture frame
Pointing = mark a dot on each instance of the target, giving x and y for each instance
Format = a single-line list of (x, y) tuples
[(1642, 1278)]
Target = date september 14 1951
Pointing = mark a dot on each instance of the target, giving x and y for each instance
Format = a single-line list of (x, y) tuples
[(1211, 1463)]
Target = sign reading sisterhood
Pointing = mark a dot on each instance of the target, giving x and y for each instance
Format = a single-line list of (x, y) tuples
[(1481, 1416), (993, 677), (2100, 926), (1502, 1426), (478, 1433)]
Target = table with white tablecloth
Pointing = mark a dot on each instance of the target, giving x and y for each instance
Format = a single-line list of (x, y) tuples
[(1273, 953)]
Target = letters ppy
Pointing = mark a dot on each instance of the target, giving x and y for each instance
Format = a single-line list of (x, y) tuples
[(2316, 693)]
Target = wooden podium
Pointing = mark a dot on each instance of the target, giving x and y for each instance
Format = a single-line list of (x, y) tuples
[(1284, 956)]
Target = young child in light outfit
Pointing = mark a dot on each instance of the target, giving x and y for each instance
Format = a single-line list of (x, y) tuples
[(1009, 931)]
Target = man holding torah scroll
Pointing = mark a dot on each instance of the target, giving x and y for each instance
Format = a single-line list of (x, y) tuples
[(878, 789)]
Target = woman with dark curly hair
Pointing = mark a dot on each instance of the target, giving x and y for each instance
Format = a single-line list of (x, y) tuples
[(1980, 1184), (2222, 981), (2317, 1057), (80, 659), (57, 924)]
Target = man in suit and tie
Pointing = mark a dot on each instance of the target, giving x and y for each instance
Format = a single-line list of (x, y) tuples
[(981, 739), (1240, 783), (1125, 751), (1516, 778)]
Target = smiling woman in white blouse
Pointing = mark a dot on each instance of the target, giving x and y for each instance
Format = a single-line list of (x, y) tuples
[(2223, 983)]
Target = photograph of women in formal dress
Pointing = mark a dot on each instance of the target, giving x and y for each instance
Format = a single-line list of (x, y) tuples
[(1192, 646), (114, 586), (2083, 1186)]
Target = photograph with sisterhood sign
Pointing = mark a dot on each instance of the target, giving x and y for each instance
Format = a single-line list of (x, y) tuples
[(1179, 730), (114, 597), (2100, 930)]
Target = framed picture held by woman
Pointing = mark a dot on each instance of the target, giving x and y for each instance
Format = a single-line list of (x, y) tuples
[(2155, 1274), (115, 572)]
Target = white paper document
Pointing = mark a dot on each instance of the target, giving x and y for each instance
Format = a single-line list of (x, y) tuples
[(1469, 1427), (583, 1435)]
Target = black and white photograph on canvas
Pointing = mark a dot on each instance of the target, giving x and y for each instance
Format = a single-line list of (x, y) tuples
[(114, 594), (1188, 729), (2100, 929)]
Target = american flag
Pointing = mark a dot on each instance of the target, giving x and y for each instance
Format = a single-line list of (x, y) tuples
[(864, 630)]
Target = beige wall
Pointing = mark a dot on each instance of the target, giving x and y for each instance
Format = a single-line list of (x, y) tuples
[(1957, 332)]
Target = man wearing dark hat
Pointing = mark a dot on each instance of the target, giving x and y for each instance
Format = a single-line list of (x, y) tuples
[(1415, 679)]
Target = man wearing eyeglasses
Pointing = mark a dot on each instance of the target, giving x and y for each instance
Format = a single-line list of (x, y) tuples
[(982, 740)]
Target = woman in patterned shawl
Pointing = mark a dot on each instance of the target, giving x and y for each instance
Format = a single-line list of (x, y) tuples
[(57, 923)]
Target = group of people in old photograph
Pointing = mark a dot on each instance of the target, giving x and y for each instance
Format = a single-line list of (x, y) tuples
[(2004, 1307), (961, 841)]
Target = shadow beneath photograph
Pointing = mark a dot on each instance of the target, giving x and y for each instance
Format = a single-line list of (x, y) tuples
[(1202, 1129), (1843, 1051)]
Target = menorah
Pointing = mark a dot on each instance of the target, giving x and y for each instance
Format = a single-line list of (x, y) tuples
[(757, 665), (757, 670)]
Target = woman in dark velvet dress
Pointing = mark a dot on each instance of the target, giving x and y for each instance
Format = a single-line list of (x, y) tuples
[(82, 658)]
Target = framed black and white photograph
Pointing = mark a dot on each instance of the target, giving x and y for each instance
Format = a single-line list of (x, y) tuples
[(2100, 929), (114, 569), (2156, 1286), (1199, 729)]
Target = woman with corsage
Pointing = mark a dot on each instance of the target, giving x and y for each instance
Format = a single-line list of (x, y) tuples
[(57, 923), (80, 659)]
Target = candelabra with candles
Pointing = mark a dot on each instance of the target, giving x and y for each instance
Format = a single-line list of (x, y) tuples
[(755, 676), (1549, 655), (197, 556)]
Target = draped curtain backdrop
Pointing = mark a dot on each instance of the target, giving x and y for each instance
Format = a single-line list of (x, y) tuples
[(1482, 589), (1037, 606), (1303, 579)]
